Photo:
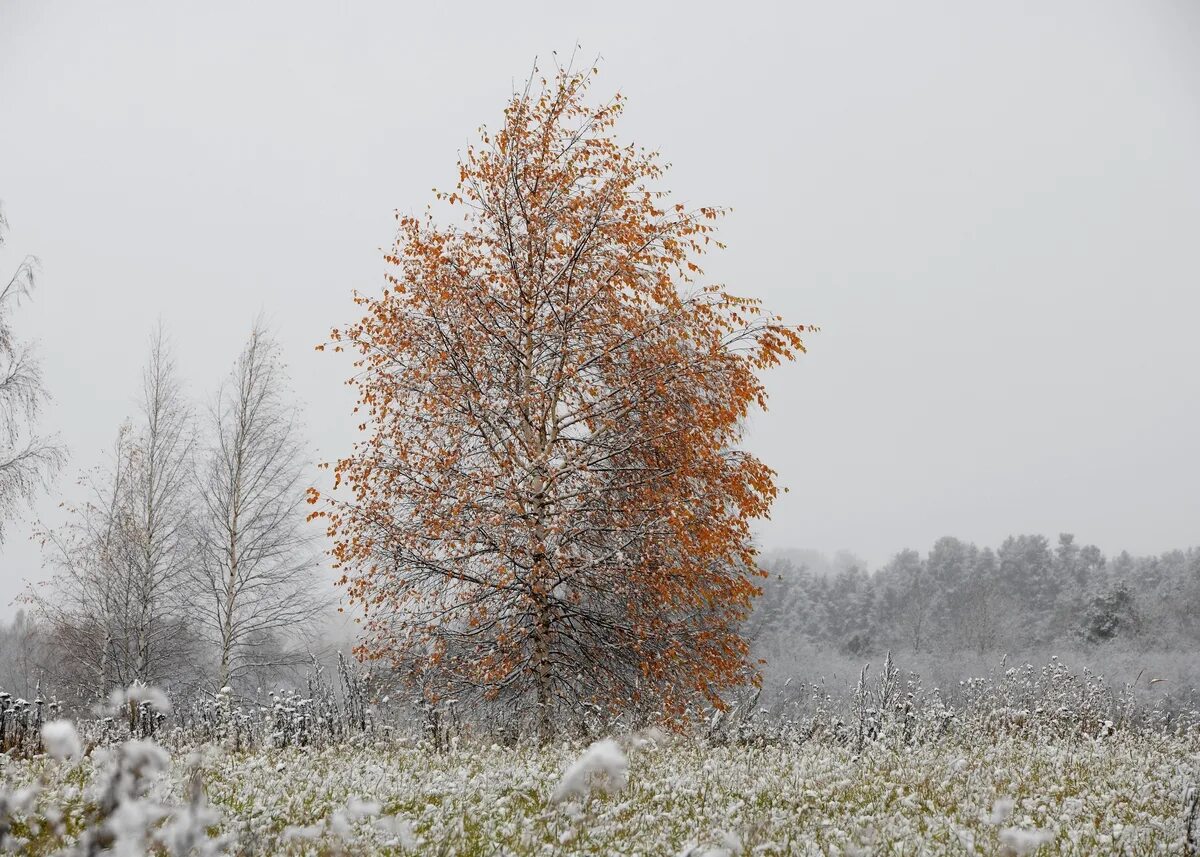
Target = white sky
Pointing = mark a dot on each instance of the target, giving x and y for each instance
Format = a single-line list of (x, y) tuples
[(992, 210)]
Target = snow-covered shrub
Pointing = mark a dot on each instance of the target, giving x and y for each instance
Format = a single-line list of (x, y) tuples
[(602, 765)]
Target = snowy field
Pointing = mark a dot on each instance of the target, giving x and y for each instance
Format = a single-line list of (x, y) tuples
[(650, 795), (1024, 760)]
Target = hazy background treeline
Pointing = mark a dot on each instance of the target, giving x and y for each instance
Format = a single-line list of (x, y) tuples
[(958, 597), (959, 610)]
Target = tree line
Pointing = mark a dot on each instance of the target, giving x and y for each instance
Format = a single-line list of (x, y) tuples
[(1026, 592)]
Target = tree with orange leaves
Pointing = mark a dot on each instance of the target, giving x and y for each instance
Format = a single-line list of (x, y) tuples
[(548, 508)]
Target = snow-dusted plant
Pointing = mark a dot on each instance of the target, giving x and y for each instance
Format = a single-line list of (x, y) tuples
[(601, 766)]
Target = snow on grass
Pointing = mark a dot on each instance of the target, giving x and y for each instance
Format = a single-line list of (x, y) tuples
[(1010, 794)]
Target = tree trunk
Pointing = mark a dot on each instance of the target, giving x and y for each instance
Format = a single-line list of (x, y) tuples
[(542, 677)]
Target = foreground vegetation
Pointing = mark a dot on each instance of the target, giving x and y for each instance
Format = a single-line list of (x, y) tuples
[(1118, 795), (1025, 760)]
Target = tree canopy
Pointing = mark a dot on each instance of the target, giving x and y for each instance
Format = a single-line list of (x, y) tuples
[(548, 503)]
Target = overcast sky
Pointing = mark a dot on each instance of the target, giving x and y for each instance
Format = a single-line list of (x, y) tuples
[(991, 210)]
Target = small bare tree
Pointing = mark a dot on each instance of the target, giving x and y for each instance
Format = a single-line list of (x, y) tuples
[(256, 561), (116, 602), (86, 605), (160, 515), (27, 459), (24, 644)]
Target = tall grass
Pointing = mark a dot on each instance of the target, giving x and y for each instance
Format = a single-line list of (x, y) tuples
[(1020, 757)]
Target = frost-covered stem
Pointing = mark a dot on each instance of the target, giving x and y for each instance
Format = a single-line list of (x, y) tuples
[(860, 709), (1191, 804)]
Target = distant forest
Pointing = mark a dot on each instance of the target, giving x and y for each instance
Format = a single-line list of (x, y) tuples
[(959, 598)]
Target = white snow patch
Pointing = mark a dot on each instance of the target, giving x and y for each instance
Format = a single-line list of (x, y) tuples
[(1015, 842), (61, 740), (601, 765), (356, 807), (1002, 810), (138, 693)]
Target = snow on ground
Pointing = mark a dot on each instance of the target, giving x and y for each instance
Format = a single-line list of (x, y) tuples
[(981, 794)]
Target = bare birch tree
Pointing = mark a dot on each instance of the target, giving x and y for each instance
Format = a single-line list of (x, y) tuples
[(161, 506), (87, 604), (256, 562), (27, 459), (116, 602)]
